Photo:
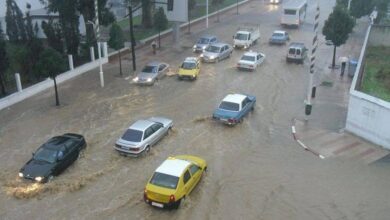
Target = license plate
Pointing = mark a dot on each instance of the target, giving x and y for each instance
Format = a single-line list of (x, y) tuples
[(157, 204), (223, 119)]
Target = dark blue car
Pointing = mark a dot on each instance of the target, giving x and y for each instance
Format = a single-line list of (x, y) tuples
[(233, 108), (279, 37)]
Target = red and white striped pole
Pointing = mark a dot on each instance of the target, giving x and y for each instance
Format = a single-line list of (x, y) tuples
[(312, 89), (97, 34)]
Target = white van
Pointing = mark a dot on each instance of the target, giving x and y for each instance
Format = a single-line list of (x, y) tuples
[(293, 13)]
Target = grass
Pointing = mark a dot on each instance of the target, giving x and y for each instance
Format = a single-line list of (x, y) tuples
[(197, 12), (376, 81)]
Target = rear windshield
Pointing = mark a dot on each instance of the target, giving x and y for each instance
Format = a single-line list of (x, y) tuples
[(132, 135), (289, 12), (213, 49), (248, 58), (277, 35), (240, 36), (164, 180), (230, 106), (188, 65), (291, 51)]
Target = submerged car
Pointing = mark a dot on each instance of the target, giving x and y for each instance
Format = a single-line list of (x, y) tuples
[(151, 72), (53, 157), (216, 52), (142, 135), (233, 108), (173, 180), (279, 37), (250, 60), (204, 42), (190, 68)]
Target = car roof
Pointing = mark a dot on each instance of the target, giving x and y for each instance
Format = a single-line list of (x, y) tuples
[(154, 63), (279, 32), (141, 125), (56, 142), (296, 44), (250, 53), (235, 98), (191, 59), (208, 36), (219, 44), (173, 166)]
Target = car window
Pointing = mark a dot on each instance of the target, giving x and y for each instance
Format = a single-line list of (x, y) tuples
[(162, 66), (164, 180), (291, 51), (46, 154), (214, 40), (258, 56), (203, 41), (222, 49), (213, 49), (156, 126), (298, 52), (64, 150), (249, 36), (132, 135), (194, 169), (230, 106), (70, 143), (188, 65), (186, 177), (248, 58), (149, 131), (149, 69)]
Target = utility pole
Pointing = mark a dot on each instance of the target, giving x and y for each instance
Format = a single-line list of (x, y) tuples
[(132, 39), (349, 4), (207, 13), (237, 8), (312, 89), (97, 32)]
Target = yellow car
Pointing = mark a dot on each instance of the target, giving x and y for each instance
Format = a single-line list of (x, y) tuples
[(190, 68), (173, 180)]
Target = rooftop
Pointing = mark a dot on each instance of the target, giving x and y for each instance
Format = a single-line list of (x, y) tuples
[(141, 125), (173, 167), (235, 98)]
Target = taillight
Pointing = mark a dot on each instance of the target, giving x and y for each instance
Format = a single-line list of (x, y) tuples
[(251, 66), (232, 120), (145, 194), (172, 198)]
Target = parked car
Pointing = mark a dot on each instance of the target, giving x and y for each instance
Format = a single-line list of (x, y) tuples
[(142, 135), (297, 52), (279, 37), (204, 42), (275, 1), (246, 36), (233, 108), (151, 72), (250, 60), (53, 157), (173, 180), (190, 68), (216, 52)]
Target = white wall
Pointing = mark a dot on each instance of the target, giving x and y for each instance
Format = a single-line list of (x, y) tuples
[(368, 116)]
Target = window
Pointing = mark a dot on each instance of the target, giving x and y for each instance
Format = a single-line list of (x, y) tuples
[(298, 52), (226, 47), (164, 180), (156, 126), (248, 58), (291, 51), (148, 132), (194, 169), (187, 176), (290, 12), (203, 41), (188, 65), (259, 56), (149, 69), (230, 106), (162, 67), (249, 37), (132, 135), (213, 49), (222, 49), (214, 40), (46, 154)]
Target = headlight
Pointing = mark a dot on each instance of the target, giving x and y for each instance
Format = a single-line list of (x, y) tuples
[(202, 55), (135, 79), (149, 80), (212, 57), (38, 178), (204, 47), (20, 174), (194, 47)]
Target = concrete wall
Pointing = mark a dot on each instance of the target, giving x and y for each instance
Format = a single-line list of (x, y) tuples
[(368, 116), (379, 35)]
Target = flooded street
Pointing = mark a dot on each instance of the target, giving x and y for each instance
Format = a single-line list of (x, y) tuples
[(255, 169)]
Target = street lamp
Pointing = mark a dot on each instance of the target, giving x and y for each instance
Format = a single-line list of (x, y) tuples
[(99, 53)]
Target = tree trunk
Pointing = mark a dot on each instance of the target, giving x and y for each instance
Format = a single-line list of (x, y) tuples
[(159, 40), (56, 91), (146, 14), (3, 91), (334, 57), (120, 63)]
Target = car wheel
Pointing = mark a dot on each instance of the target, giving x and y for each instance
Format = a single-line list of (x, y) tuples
[(180, 78), (147, 150), (179, 203)]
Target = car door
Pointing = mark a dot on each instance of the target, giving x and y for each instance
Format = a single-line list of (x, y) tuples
[(188, 182), (196, 174), (161, 70), (227, 51), (245, 106), (149, 138), (158, 130), (63, 159)]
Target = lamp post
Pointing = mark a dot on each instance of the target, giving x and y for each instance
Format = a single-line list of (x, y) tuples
[(132, 39)]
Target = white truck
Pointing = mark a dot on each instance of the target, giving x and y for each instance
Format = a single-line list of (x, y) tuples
[(246, 36)]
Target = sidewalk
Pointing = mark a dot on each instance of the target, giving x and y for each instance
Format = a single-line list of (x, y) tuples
[(323, 132)]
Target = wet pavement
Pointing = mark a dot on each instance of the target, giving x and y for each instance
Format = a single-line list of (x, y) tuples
[(255, 170)]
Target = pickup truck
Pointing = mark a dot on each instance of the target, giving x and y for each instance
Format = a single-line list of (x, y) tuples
[(246, 36)]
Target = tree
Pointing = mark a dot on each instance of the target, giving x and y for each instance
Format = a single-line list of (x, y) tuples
[(53, 34), (361, 8), (117, 41), (3, 61), (146, 7), (160, 23), (191, 6), (15, 24), (337, 28), (51, 63), (217, 4)]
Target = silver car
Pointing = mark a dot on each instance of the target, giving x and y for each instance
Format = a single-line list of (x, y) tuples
[(204, 42), (216, 52), (141, 135), (151, 72)]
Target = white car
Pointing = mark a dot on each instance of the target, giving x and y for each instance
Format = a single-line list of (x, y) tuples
[(250, 60)]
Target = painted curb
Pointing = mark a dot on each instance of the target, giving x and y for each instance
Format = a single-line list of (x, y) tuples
[(295, 136)]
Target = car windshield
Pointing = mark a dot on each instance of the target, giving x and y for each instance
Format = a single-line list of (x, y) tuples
[(47, 155), (241, 36), (164, 180), (203, 41), (188, 65), (277, 35), (291, 51), (132, 135), (290, 11), (149, 69), (230, 106), (213, 49), (248, 58)]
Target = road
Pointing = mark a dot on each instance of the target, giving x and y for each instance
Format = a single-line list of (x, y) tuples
[(255, 169)]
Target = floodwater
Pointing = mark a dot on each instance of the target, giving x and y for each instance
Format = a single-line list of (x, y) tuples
[(255, 169)]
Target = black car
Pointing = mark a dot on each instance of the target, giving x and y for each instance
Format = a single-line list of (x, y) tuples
[(53, 157)]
